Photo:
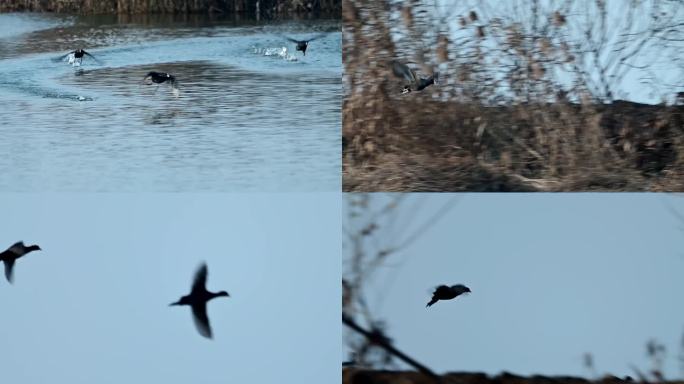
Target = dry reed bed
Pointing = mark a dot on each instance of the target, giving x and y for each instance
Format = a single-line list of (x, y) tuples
[(430, 145)]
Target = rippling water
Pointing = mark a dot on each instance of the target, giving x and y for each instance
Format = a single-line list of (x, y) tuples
[(252, 113)]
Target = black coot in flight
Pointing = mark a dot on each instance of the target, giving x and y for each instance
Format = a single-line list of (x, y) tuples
[(197, 300), (415, 83), (444, 292), (14, 252)]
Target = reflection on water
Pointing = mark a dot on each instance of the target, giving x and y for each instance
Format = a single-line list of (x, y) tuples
[(243, 120)]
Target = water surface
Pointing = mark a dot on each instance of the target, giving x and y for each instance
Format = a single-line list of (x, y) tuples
[(252, 114)]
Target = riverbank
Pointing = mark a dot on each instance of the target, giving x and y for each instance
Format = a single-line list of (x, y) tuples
[(467, 147), (358, 376), (264, 8)]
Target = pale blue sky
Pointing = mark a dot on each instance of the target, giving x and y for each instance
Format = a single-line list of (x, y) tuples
[(92, 307), (552, 276)]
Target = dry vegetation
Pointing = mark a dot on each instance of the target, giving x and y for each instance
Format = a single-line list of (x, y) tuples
[(522, 104), (362, 376), (265, 7)]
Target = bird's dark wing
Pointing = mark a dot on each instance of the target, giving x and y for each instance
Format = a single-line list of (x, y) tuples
[(198, 285), (437, 295), (9, 267), (199, 314), (292, 40), (17, 248), (93, 57), (441, 290), (62, 57), (403, 71)]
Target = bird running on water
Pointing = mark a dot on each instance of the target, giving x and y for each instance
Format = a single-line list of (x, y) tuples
[(77, 56), (444, 292), (302, 45), (160, 78), (14, 252), (197, 300)]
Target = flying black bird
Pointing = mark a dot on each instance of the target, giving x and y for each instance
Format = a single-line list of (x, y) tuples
[(77, 55), (14, 252), (197, 300), (302, 45), (415, 83), (444, 292), (159, 78)]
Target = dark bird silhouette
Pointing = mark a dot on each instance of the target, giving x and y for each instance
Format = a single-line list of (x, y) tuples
[(79, 54), (302, 45), (415, 83), (444, 292), (160, 78), (197, 300), (14, 252)]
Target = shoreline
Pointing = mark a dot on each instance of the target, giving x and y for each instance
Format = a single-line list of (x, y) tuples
[(255, 8)]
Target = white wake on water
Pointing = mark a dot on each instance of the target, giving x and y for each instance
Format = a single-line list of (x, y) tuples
[(280, 52)]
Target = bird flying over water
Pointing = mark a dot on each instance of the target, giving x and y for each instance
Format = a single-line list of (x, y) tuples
[(77, 55), (197, 300), (302, 45), (14, 252), (444, 292), (415, 83), (160, 78)]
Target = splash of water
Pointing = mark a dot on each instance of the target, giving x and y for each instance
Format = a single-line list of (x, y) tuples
[(280, 52), (71, 58)]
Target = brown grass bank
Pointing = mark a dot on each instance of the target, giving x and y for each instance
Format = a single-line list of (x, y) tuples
[(271, 8), (362, 376), (429, 145)]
